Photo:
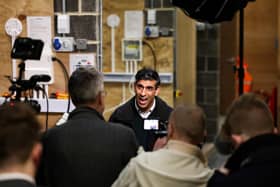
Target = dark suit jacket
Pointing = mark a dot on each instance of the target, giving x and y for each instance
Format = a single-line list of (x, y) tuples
[(16, 183), (85, 151)]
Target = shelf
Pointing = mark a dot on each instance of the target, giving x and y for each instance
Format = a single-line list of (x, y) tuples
[(55, 105), (165, 78)]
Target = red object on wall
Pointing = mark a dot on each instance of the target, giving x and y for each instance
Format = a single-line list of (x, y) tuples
[(248, 79)]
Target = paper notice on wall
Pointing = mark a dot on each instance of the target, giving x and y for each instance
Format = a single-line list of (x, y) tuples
[(133, 24), (39, 27)]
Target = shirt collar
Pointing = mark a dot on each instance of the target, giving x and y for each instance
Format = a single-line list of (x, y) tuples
[(16, 175), (147, 113)]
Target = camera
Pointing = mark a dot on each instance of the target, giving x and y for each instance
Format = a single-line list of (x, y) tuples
[(24, 49), (27, 48)]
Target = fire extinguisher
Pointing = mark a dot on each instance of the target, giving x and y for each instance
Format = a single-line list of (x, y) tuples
[(247, 81)]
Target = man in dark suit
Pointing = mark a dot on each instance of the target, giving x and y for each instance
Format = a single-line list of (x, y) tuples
[(145, 112), (86, 150), (20, 146)]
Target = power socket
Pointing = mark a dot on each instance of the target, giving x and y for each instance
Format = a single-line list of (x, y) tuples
[(63, 44), (81, 44), (151, 31)]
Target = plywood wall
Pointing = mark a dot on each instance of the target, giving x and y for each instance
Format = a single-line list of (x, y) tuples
[(278, 64), (19, 9), (185, 59), (163, 48), (260, 50)]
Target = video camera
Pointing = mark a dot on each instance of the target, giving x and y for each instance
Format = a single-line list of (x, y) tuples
[(25, 49)]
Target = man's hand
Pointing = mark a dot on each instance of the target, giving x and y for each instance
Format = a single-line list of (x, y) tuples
[(223, 170), (160, 143)]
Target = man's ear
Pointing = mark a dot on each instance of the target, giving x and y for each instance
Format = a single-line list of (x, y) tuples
[(170, 130), (100, 99), (157, 91), (100, 103), (275, 130), (237, 139), (36, 154)]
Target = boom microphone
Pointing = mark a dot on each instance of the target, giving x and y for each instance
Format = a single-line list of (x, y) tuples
[(34, 79), (40, 78)]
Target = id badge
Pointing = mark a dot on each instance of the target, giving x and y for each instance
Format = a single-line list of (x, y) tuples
[(151, 124)]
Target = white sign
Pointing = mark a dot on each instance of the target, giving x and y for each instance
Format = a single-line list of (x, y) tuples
[(81, 60), (133, 25)]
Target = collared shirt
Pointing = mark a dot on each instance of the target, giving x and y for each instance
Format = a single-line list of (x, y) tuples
[(16, 175), (146, 114)]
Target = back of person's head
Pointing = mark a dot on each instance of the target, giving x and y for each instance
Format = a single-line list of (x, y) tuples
[(19, 132), (189, 123), (147, 74), (248, 115), (84, 86)]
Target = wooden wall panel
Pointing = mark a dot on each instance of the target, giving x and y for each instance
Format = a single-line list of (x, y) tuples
[(185, 58), (163, 48), (118, 8), (20, 9), (228, 53), (260, 51), (278, 62)]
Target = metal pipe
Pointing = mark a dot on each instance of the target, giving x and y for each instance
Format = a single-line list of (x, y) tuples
[(63, 6)]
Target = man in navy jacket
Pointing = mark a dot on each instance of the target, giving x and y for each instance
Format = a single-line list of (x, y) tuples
[(255, 160)]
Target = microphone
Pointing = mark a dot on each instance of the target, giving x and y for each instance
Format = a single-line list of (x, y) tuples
[(34, 79), (39, 78)]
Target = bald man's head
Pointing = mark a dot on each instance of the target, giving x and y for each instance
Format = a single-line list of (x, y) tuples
[(188, 123)]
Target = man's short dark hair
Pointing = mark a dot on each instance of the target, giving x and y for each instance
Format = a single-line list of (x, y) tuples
[(84, 85), (19, 131), (147, 74)]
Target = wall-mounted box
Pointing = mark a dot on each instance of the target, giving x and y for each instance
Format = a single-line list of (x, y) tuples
[(132, 50)]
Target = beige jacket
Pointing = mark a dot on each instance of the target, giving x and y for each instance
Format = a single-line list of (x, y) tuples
[(176, 165)]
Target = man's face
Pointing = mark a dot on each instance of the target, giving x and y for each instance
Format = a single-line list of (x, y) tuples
[(145, 92)]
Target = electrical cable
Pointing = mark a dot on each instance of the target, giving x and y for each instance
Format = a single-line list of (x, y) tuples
[(153, 53), (38, 88), (66, 76), (47, 112)]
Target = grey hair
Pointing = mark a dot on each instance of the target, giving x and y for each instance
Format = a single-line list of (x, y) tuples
[(84, 85)]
